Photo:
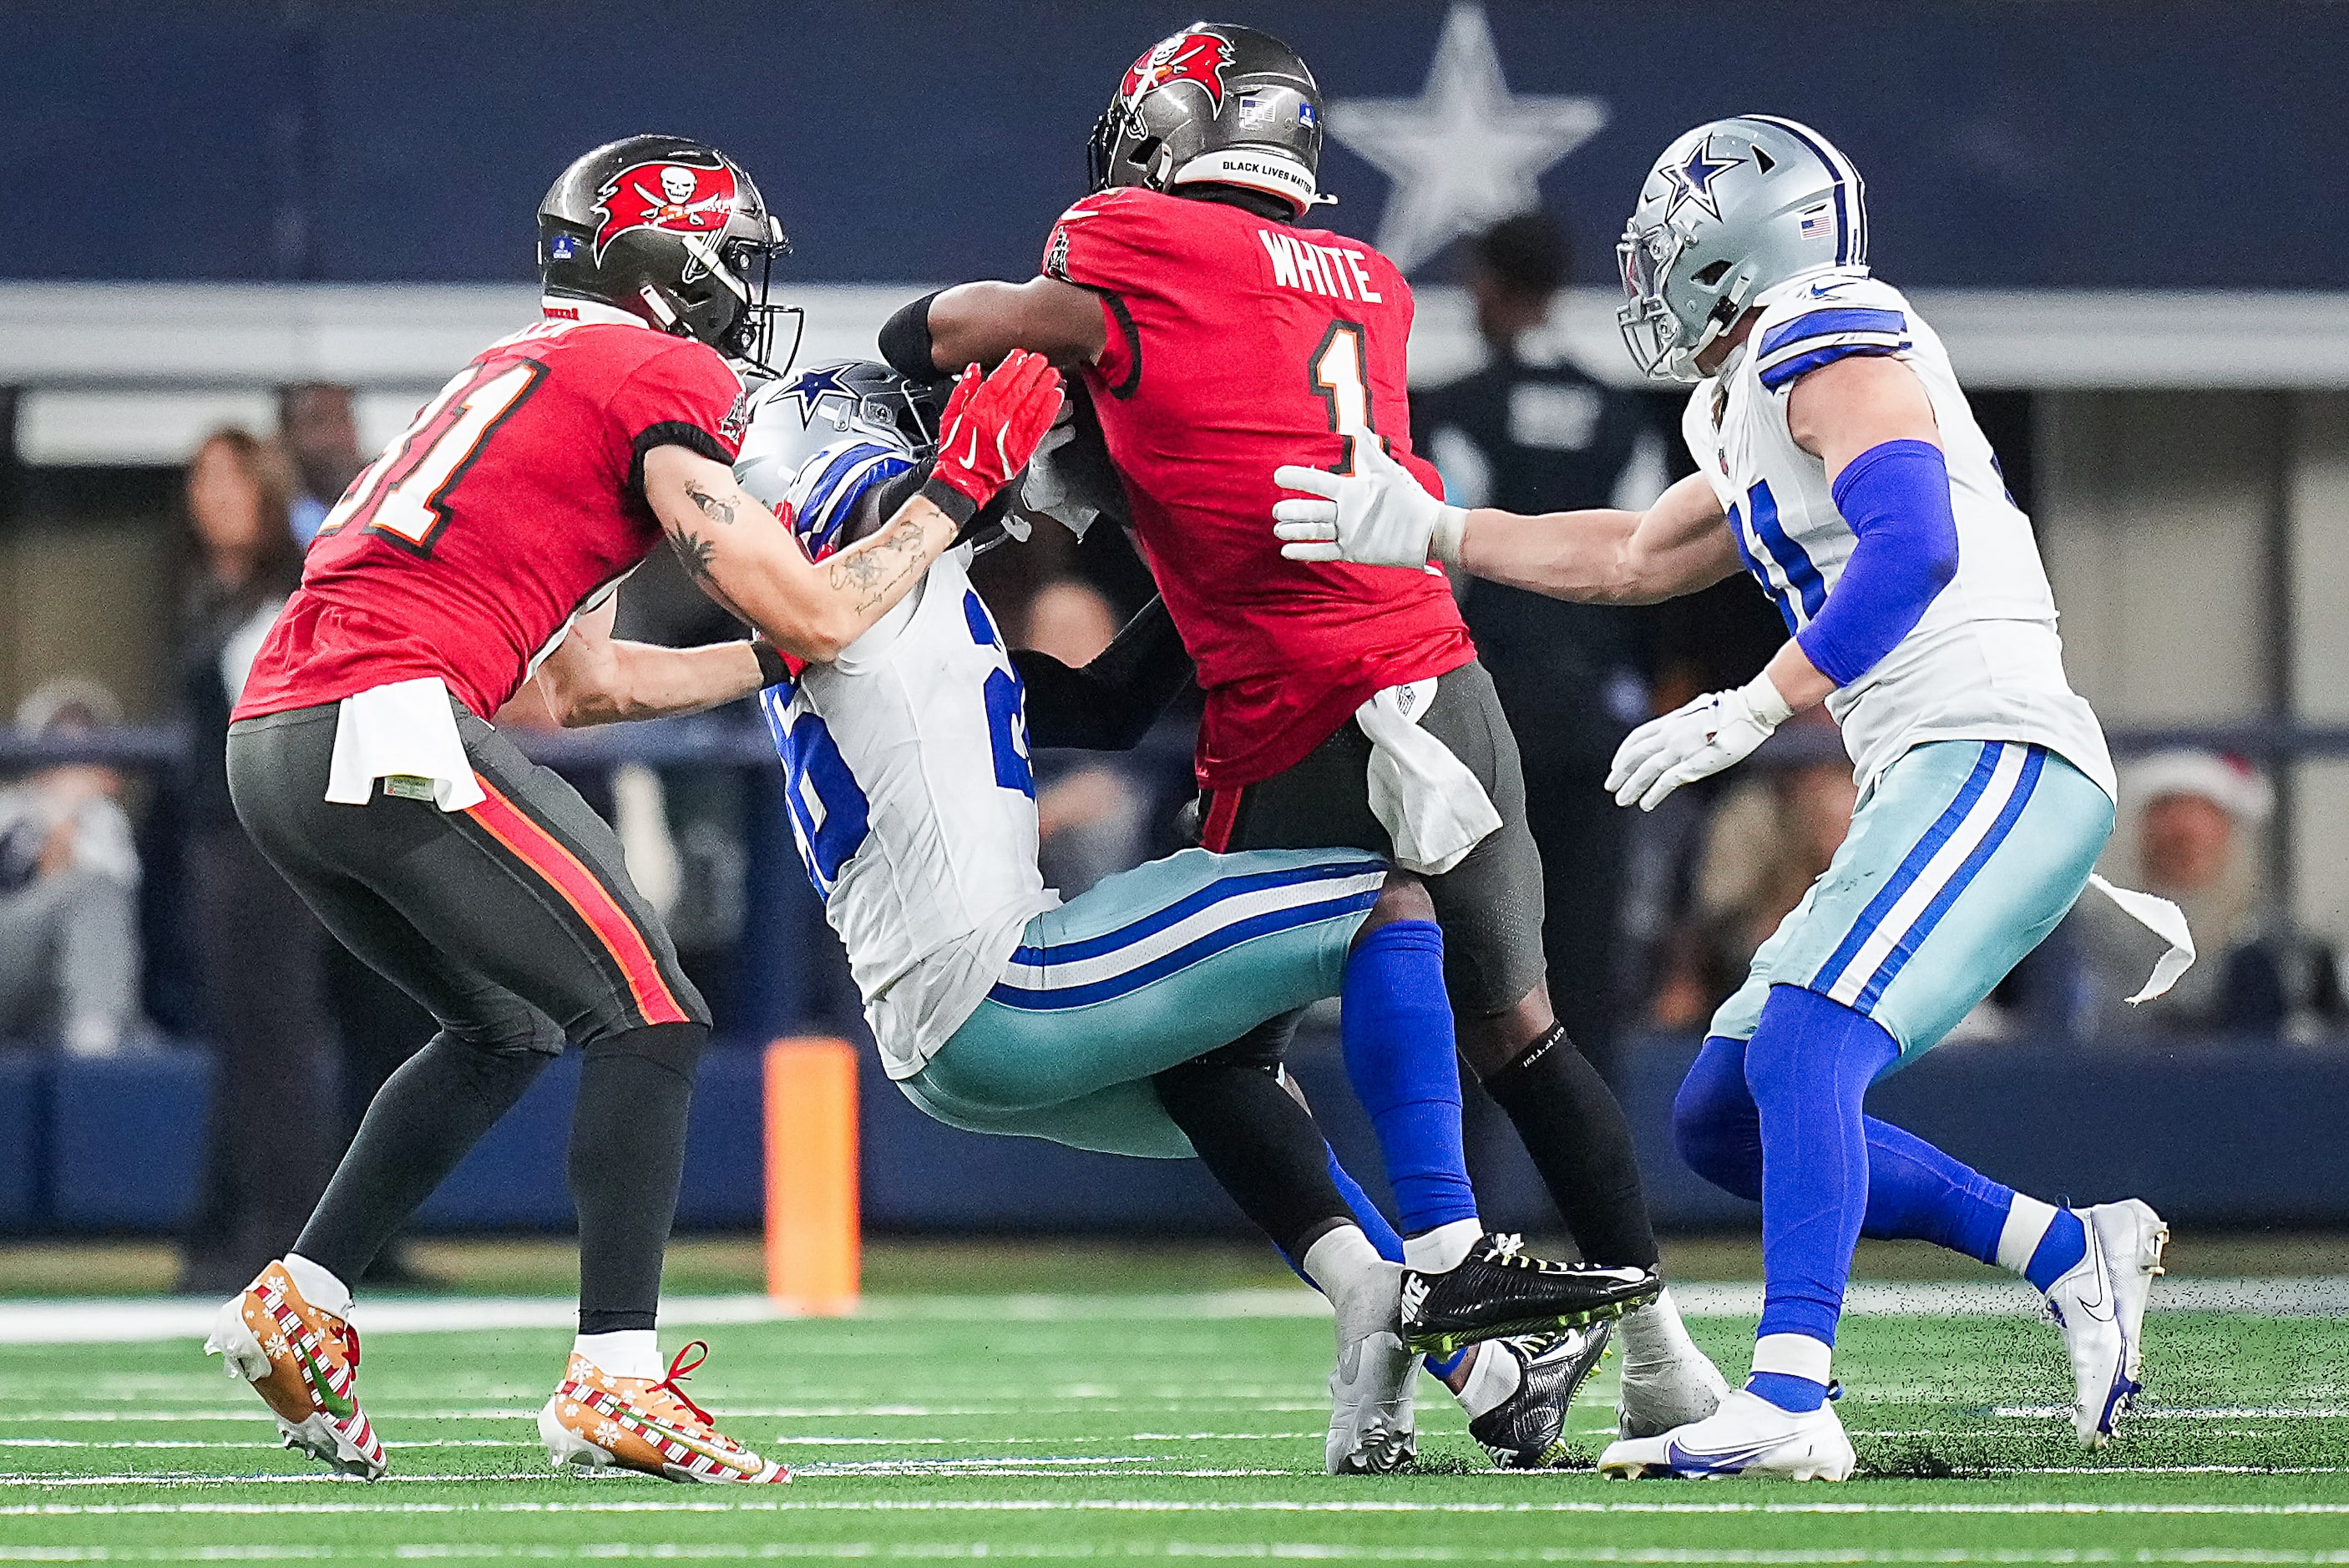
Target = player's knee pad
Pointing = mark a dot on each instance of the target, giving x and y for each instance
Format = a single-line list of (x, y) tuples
[(677, 1046), (1715, 1126)]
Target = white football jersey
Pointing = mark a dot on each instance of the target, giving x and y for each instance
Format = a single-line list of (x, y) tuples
[(906, 770), (1985, 662)]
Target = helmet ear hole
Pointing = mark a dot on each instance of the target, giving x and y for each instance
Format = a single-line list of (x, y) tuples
[(1146, 152), (1713, 273)]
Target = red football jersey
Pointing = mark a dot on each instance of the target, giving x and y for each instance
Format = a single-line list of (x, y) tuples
[(512, 501), (1238, 343)]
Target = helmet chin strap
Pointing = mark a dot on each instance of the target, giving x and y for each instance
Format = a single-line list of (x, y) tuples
[(662, 312)]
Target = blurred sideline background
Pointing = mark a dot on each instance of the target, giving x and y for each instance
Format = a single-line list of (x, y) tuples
[(250, 241)]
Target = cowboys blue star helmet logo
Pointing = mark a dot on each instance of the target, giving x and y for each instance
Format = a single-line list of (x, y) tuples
[(812, 387), (1693, 179)]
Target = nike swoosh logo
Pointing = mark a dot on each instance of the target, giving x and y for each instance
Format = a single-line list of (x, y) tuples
[(334, 1404), (1680, 1458), (2099, 1306)]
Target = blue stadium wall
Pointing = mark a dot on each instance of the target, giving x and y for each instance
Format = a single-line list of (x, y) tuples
[(2026, 145), (2213, 1133)]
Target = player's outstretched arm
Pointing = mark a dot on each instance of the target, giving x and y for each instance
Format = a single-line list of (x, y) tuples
[(978, 323), (746, 559), (1868, 420), (594, 677), (1381, 515), (1677, 546)]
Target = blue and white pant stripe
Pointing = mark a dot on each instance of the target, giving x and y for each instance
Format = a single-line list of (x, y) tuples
[(1147, 969), (1961, 859), (1047, 975)]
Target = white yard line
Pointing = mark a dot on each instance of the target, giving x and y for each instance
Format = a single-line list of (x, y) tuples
[(106, 1321), (1670, 1507), (1691, 1556)]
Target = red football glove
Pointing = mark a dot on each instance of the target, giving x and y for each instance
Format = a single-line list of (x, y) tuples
[(992, 426)]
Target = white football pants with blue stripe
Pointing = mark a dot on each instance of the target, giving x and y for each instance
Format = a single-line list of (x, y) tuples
[(1144, 972), (1961, 859)]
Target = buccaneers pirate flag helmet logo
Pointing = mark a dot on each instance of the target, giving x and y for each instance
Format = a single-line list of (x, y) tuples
[(672, 195), (1197, 55), (1215, 104), (669, 230)]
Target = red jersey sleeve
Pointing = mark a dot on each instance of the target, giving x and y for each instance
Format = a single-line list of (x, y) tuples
[(1115, 246), (683, 396)]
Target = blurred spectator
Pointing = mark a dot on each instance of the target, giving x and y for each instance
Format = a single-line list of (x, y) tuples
[(1773, 834), (258, 948), (320, 433), (1092, 811), (69, 954), (1533, 433), (2190, 832)]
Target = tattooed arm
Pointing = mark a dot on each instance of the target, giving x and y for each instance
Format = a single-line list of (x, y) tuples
[(594, 678), (747, 561)]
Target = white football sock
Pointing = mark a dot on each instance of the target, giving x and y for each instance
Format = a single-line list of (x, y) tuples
[(1795, 1355), (1492, 1378), (623, 1353), (1654, 1335), (1434, 1252), (1361, 1285), (2026, 1227), (319, 1286)]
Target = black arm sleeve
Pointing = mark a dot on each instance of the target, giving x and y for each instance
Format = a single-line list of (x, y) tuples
[(905, 341), (1110, 704)]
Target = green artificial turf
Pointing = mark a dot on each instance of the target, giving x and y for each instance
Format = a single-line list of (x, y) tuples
[(1156, 1426)]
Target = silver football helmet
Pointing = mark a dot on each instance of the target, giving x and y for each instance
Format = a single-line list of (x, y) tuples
[(793, 418), (1732, 209)]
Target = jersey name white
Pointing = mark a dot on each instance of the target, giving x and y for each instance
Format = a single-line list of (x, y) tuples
[(907, 772), (1985, 662)]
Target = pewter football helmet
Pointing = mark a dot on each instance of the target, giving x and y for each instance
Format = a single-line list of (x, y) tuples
[(1218, 104), (1732, 209)]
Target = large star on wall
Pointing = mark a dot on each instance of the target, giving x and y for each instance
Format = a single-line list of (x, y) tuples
[(1466, 152)]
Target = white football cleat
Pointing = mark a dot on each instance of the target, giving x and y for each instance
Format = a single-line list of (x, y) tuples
[(1747, 1436), (1676, 1389), (2099, 1304), (1371, 1427)]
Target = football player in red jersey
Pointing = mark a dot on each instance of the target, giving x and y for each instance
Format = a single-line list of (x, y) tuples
[(362, 762), (1217, 334)]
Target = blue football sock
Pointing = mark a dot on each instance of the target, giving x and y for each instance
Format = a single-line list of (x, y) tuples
[(1401, 1059), (1915, 1192), (1375, 1228), (1787, 1391), (2063, 1245), (1809, 1065), (1367, 1214)]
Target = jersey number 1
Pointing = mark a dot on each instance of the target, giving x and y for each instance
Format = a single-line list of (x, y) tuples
[(401, 493), (1339, 381)]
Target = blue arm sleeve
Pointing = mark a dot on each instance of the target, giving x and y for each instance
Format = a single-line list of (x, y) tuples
[(1895, 496)]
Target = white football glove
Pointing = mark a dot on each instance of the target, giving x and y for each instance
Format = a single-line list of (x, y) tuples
[(1376, 516), (1694, 741)]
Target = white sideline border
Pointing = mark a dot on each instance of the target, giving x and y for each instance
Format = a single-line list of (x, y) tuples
[(118, 1321)]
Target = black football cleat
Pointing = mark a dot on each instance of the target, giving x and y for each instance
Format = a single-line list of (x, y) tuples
[(1499, 1289), (1528, 1430)]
